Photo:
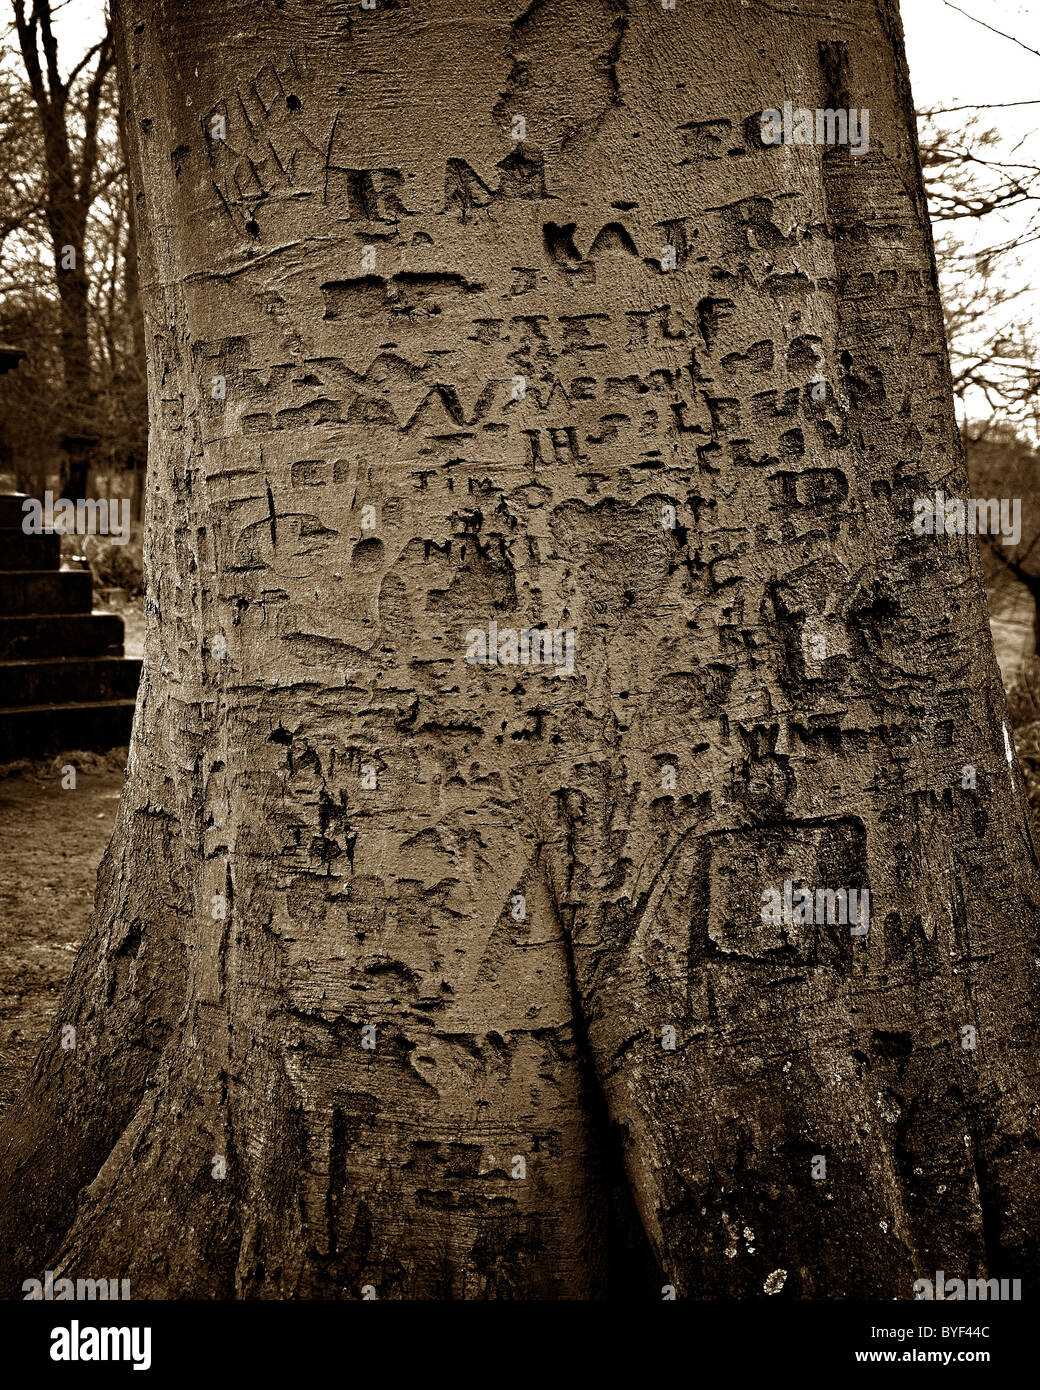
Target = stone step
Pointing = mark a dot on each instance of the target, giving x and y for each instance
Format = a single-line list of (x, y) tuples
[(66, 680), (33, 636), (36, 731), (21, 552), (45, 591), (11, 512)]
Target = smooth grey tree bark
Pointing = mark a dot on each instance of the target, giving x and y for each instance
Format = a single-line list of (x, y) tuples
[(422, 974)]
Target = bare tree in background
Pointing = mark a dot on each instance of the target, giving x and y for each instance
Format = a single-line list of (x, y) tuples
[(995, 360), (68, 118)]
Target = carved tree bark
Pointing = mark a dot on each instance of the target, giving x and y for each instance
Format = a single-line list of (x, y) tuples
[(463, 386)]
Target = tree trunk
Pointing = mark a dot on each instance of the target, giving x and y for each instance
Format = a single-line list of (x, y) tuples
[(466, 385), (134, 364)]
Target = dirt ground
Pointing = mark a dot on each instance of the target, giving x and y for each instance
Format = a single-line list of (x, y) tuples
[(51, 841)]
